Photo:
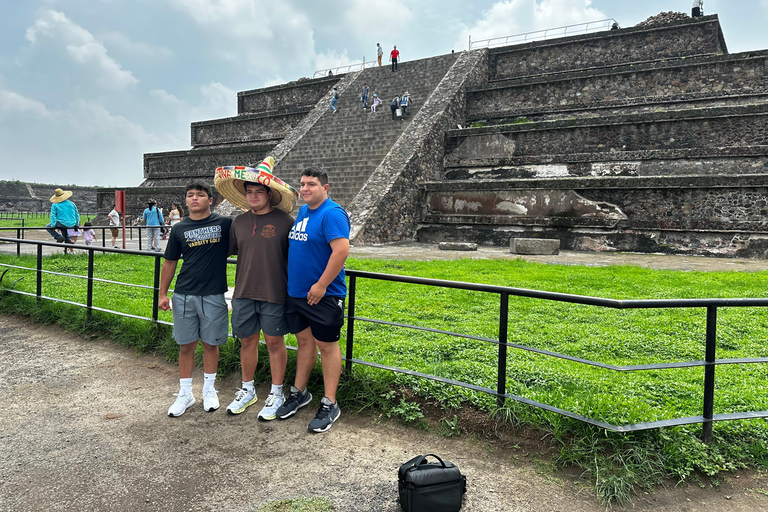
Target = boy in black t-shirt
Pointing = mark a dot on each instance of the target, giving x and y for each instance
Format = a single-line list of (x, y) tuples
[(199, 309)]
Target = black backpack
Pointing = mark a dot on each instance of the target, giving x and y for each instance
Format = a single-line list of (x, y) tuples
[(335, 95), (395, 101)]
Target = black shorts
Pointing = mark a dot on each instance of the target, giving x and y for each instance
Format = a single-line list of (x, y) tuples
[(326, 318)]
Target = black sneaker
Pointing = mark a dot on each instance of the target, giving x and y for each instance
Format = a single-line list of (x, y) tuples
[(326, 415), (295, 401)]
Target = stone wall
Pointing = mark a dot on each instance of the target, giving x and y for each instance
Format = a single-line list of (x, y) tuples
[(697, 36), (693, 162), (682, 78), (624, 137), (178, 167), (36, 197), (246, 128), (136, 200), (389, 205), (302, 93), (702, 215)]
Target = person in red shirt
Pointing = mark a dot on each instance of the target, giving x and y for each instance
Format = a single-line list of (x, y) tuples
[(393, 56)]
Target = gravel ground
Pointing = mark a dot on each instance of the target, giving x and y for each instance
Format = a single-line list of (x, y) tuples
[(85, 428)]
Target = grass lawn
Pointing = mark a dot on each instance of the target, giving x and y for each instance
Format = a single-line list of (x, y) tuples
[(14, 220), (616, 463)]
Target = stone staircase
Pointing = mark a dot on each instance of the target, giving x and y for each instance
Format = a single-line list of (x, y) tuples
[(351, 143)]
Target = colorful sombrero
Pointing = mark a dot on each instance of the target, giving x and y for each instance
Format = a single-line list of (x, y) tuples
[(230, 180)]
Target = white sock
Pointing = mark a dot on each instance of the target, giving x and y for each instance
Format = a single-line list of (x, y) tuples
[(248, 386), (185, 386), (276, 390), (209, 379)]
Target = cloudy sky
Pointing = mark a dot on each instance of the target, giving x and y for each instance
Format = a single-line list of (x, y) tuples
[(88, 86)]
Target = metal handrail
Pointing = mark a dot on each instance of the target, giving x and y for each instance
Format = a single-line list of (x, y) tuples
[(709, 362), (539, 35), (357, 66)]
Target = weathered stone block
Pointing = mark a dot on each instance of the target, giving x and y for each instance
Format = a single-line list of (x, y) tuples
[(457, 246), (534, 246)]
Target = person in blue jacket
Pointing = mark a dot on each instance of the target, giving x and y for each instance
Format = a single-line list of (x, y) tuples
[(154, 222), (64, 215)]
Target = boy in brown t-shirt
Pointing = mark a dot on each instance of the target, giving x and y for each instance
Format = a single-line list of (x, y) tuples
[(259, 237)]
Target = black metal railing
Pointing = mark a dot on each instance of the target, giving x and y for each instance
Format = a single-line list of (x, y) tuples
[(709, 362)]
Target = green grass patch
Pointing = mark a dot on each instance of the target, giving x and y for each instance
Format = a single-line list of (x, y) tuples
[(617, 464), (298, 505), (31, 220)]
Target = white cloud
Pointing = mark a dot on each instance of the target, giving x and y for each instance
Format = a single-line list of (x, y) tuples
[(88, 144), (383, 19), (164, 96), (256, 36), (332, 59), (139, 50), (521, 16), (277, 80), (81, 47), (14, 102)]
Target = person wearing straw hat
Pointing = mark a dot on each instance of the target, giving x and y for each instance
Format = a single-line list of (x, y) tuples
[(200, 312), (64, 215), (259, 238), (314, 310)]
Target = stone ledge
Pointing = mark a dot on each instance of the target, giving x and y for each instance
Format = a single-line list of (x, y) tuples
[(534, 246), (457, 246)]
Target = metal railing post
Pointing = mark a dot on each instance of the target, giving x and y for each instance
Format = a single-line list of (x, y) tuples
[(39, 292), (139, 238), (501, 382), (350, 323), (18, 244), (89, 298), (709, 375), (156, 292)]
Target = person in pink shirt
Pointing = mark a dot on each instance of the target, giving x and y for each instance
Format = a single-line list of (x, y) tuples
[(376, 103), (88, 234)]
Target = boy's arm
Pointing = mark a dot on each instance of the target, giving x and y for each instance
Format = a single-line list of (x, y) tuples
[(339, 253), (166, 276)]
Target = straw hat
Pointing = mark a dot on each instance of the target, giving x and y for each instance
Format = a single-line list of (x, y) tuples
[(230, 183), (60, 195)]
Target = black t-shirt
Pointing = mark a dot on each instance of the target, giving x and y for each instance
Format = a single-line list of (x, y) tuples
[(204, 245)]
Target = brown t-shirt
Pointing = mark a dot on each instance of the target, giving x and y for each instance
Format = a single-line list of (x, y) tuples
[(261, 245)]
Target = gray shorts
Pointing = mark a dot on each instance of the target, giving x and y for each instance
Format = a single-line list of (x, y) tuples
[(198, 317), (251, 316)]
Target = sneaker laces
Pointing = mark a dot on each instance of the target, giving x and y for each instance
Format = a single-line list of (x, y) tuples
[(241, 393), (324, 411), (270, 400)]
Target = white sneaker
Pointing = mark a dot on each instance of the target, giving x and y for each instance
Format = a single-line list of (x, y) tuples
[(243, 399), (182, 403), (210, 400), (271, 405)]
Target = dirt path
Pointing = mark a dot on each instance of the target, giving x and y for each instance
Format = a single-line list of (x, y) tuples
[(84, 428)]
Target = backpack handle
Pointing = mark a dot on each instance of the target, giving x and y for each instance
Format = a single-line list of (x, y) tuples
[(423, 459)]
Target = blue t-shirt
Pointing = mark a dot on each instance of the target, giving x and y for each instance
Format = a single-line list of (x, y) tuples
[(309, 248)]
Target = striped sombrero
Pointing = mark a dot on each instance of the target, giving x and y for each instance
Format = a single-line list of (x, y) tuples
[(230, 180)]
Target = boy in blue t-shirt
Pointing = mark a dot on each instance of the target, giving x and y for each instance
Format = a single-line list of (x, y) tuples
[(314, 309)]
